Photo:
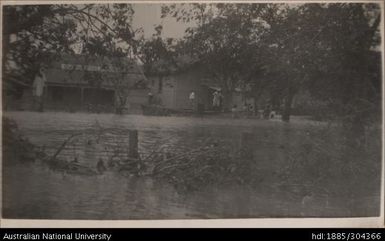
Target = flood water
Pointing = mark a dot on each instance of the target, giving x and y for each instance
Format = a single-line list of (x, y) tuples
[(33, 191)]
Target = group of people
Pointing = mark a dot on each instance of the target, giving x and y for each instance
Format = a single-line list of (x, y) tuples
[(248, 110), (216, 101)]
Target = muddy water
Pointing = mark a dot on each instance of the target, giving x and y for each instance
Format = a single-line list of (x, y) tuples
[(32, 191)]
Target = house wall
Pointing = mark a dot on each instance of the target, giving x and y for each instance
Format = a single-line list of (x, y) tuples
[(98, 96), (165, 95), (176, 89), (135, 99), (62, 98), (70, 99), (187, 82), (77, 82)]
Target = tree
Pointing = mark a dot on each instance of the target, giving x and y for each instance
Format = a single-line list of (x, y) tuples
[(285, 48), (36, 34), (347, 77), (325, 49), (225, 41), (158, 55)]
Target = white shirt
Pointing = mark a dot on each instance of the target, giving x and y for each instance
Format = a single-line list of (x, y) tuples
[(38, 85), (192, 96)]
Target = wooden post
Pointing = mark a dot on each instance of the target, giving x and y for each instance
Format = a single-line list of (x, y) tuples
[(133, 144)]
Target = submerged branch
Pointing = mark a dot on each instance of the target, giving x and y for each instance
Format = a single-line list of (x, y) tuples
[(63, 145)]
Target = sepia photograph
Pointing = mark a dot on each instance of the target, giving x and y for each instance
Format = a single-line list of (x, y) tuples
[(191, 110)]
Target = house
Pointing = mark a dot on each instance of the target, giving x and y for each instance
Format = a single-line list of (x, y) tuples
[(90, 83), (172, 90)]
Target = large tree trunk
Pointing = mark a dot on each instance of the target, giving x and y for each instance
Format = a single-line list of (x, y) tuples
[(287, 107)]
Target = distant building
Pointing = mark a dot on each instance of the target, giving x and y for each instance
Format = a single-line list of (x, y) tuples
[(173, 90), (89, 83)]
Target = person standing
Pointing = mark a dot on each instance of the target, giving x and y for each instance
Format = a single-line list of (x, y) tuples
[(192, 99), (38, 89), (150, 98), (216, 100)]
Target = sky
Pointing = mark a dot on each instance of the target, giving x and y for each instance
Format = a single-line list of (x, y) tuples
[(148, 15)]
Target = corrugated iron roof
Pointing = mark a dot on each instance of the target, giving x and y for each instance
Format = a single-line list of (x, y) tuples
[(94, 71), (122, 64)]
